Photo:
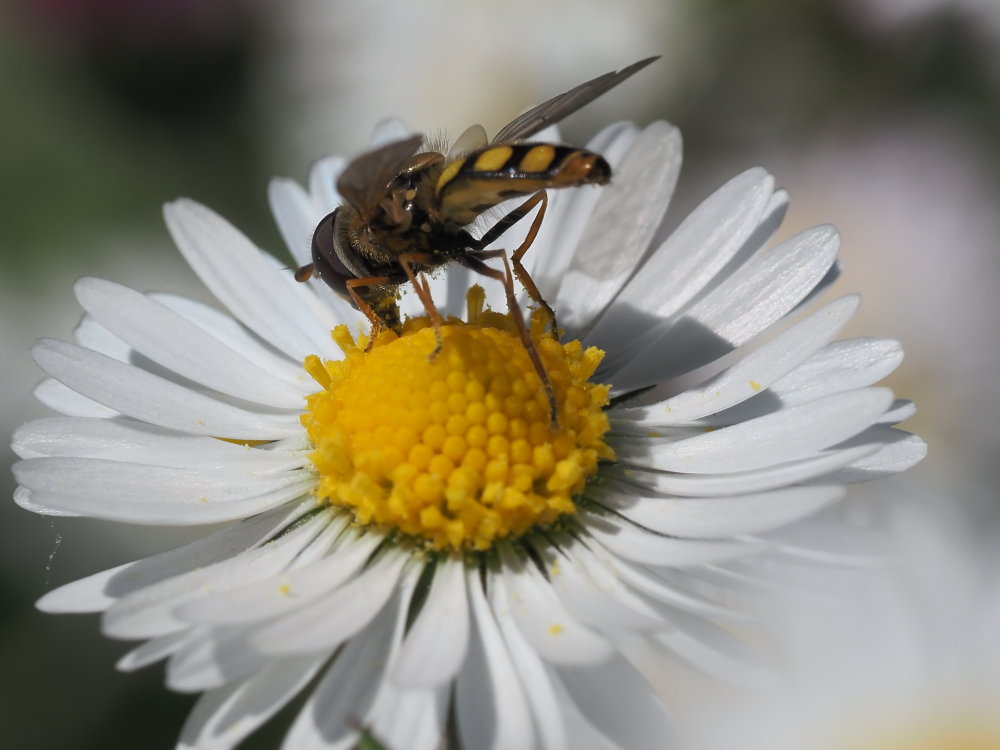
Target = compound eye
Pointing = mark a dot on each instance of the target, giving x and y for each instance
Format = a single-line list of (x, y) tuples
[(322, 240), (326, 263)]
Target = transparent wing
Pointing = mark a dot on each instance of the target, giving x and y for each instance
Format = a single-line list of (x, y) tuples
[(472, 138), (363, 182), (558, 107)]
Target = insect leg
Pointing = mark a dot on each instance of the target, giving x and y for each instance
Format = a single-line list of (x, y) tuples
[(540, 199), (520, 271), (474, 263), (424, 292), (377, 323)]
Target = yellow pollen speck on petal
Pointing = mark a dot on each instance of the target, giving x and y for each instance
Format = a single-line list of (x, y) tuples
[(756, 386), (556, 629), (457, 450), (284, 589)]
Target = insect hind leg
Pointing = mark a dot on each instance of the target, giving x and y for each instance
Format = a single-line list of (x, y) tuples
[(475, 263), (540, 199)]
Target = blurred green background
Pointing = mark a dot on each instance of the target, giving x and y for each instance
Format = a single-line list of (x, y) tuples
[(880, 117)]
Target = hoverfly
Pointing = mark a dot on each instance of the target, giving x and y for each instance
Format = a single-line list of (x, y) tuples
[(406, 212)]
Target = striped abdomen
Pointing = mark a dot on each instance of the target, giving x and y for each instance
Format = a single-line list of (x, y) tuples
[(484, 178)]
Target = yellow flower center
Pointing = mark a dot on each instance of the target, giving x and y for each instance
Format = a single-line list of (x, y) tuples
[(456, 449)]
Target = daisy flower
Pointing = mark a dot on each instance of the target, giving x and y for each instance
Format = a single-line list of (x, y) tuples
[(412, 535)]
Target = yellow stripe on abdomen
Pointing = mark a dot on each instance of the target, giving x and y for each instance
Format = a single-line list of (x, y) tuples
[(538, 159), (492, 159), (448, 175)]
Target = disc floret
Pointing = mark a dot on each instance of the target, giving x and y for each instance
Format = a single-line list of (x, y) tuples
[(456, 450)]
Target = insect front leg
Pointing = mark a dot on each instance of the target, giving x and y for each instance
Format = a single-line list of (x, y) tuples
[(540, 199), (377, 321)]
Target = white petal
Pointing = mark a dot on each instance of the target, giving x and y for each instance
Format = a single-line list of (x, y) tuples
[(641, 546), (630, 714), (328, 720), (323, 182), (489, 701), (64, 400), (829, 542), (614, 141), (610, 248), (547, 625), (435, 645), (641, 334), (151, 651), (148, 611), (900, 450), (571, 209), (180, 346), (29, 501), (786, 435), (841, 366), (149, 398), (712, 650), (756, 296), (120, 491), (135, 442), (738, 578), (296, 214), (402, 717), (238, 338), (592, 591), (211, 658), (288, 591), (742, 482), (329, 540), (695, 252), (751, 375), (653, 583), (580, 733), (333, 619), (85, 595), (245, 280), (223, 717), (409, 718), (97, 592), (902, 409), (92, 334), (770, 284), (535, 675), (719, 517), (388, 130)]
